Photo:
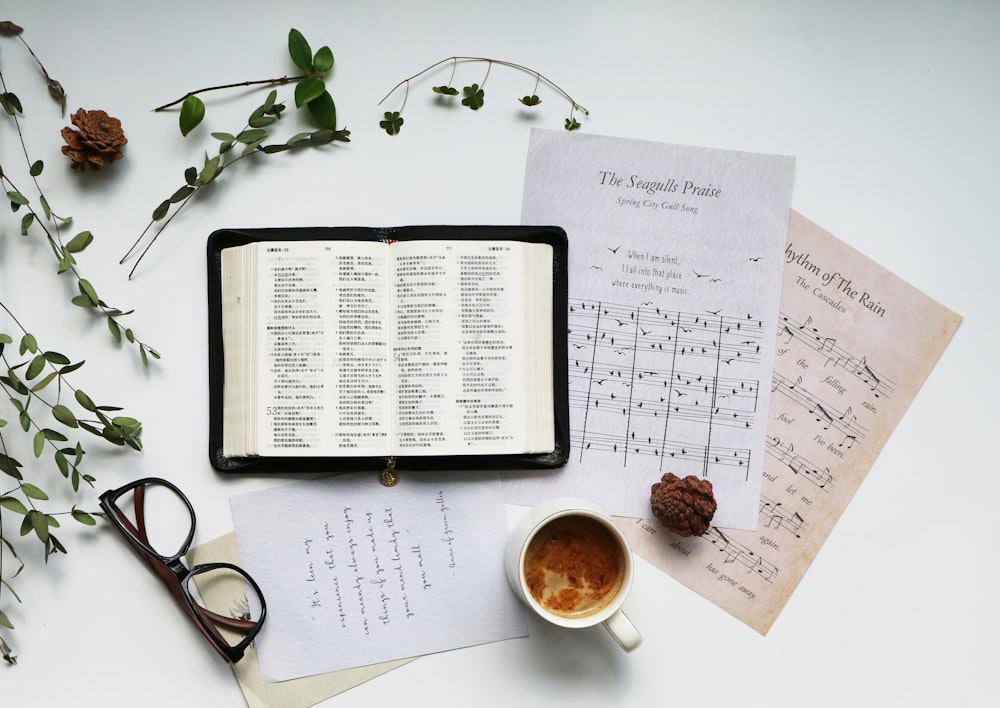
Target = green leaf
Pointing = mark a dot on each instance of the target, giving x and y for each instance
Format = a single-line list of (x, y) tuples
[(474, 97), (572, 124), (81, 301), (17, 198), (84, 400), (446, 90), (191, 173), (323, 110), (87, 289), (392, 124), (13, 504), (38, 443), (45, 207), (35, 367), (44, 382), (79, 242), (40, 523), (84, 518), (210, 170), (252, 135), (299, 50), (323, 61), (271, 149), (64, 415), (268, 104), (161, 211), (307, 90), (4, 621), (33, 492), (36, 168), (181, 194), (192, 113), (28, 344), (223, 137), (532, 100), (26, 221)]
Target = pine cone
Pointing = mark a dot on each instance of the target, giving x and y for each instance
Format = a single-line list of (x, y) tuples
[(685, 506), (96, 142)]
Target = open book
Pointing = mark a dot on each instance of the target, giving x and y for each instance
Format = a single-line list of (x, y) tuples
[(412, 344)]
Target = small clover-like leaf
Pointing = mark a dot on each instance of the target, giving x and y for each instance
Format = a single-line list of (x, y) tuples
[(572, 124), (446, 90), (474, 97), (392, 124), (192, 113), (532, 100)]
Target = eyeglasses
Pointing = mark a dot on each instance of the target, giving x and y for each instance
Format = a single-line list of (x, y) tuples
[(230, 630)]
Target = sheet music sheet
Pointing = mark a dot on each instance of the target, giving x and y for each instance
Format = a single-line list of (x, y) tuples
[(675, 259), (849, 362)]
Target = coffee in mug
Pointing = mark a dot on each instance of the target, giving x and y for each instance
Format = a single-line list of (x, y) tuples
[(569, 563), (574, 566)]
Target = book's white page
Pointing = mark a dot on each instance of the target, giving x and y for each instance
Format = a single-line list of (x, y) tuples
[(675, 258), (855, 344), (463, 381), (322, 344), (355, 573)]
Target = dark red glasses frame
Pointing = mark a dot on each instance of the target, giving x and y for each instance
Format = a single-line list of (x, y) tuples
[(175, 575)]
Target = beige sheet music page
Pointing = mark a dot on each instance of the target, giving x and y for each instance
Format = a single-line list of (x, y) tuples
[(848, 364)]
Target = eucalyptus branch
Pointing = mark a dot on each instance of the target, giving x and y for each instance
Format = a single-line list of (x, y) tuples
[(34, 384), (64, 252), (474, 95), (310, 93), (56, 90)]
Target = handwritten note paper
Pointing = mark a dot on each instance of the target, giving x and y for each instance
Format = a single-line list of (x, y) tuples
[(855, 343), (355, 573), (675, 274)]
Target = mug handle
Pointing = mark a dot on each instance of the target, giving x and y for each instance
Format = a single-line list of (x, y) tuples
[(623, 631)]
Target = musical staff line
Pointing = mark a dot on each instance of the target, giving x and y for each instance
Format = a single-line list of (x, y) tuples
[(736, 552), (650, 381), (790, 329), (799, 465)]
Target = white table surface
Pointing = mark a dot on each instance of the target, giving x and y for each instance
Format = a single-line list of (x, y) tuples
[(891, 109)]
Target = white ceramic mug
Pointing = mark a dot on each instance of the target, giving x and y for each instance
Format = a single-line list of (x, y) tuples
[(538, 520)]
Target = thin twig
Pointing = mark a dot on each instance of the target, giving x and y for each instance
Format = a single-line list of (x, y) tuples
[(282, 80)]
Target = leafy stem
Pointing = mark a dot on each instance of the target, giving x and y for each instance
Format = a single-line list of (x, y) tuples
[(49, 222), (239, 84), (310, 93), (474, 94)]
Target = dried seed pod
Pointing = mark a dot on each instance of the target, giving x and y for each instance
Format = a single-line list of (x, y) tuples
[(685, 506), (96, 140)]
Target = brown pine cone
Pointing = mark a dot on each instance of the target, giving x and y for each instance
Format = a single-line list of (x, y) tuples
[(96, 142), (685, 506)]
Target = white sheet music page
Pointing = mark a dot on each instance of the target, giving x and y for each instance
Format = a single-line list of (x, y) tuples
[(675, 262)]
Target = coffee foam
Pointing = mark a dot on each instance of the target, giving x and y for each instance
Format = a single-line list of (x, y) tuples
[(574, 566)]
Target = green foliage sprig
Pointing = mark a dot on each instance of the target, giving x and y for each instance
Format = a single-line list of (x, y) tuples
[(474, 95), (310, 93), (48, 409), (56, 91), (46, 220), (35, 386)]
